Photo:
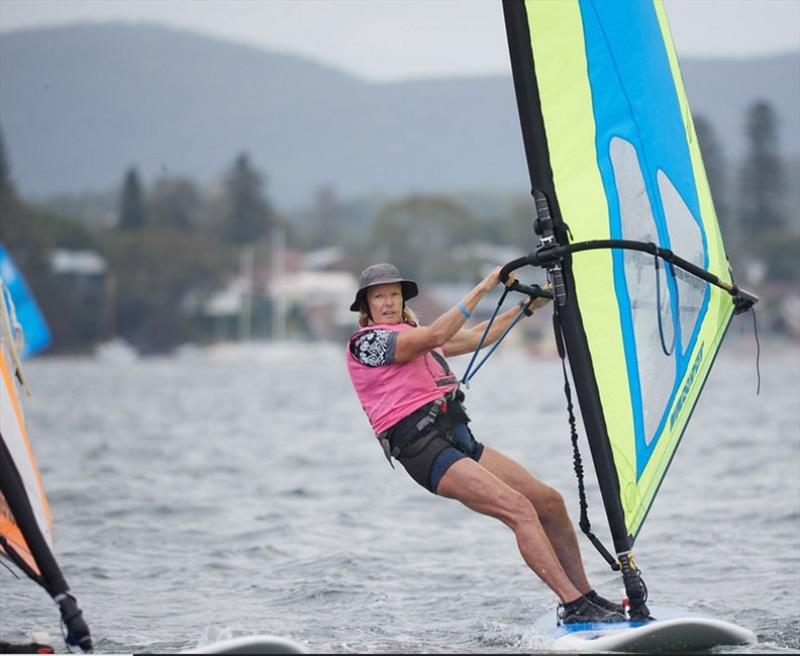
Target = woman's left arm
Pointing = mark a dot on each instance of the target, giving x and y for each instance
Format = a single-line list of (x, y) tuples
[(466, 340)]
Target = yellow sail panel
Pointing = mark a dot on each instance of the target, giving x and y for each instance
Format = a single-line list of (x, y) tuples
[(617, 156), (556, 29)]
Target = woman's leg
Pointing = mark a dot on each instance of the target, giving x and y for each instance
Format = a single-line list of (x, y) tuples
[(551, 509), (480, 490)]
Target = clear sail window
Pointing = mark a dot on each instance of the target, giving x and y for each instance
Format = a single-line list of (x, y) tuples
[(648, 299)]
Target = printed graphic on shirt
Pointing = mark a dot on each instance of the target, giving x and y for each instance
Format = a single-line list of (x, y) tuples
[(374, 347)]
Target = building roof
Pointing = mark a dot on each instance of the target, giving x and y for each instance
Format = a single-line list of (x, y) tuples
[(80, 263)]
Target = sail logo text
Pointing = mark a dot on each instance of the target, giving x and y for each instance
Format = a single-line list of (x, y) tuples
[(687, 386)]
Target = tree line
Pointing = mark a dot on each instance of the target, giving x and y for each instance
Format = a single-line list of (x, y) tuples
[(175, 242), (753, 202), (169, 245)]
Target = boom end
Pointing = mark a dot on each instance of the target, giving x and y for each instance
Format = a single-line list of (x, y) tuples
[(743, 300)]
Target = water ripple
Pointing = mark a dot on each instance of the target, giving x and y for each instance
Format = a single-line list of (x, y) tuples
[(185, 511)]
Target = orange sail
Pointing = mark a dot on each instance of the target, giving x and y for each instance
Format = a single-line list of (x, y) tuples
[(26, 535)]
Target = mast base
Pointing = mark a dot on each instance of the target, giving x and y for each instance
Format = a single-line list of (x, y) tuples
[(635, 588)]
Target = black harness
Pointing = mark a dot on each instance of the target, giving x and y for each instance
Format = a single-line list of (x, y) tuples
[(433, 419)]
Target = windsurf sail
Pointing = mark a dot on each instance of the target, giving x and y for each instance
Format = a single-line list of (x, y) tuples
[(26, 532), (628, 234), (34, 327)]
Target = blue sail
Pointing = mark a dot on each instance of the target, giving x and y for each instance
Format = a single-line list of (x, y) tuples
[(28, 314)]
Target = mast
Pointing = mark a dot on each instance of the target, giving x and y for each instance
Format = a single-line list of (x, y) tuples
[(246, 297), (22, 533), (551, 227), (49, 577), (278, 284)]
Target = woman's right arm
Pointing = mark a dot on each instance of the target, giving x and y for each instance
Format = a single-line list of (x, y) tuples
[(413, 343)]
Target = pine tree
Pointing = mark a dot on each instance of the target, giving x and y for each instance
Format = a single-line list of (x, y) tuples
[(6, 193), (716, 173), (249, 215), (24, 234), (132, 213), (6, 185), (762, 183), (175, 204)]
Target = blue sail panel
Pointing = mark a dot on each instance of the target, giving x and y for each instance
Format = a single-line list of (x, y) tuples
[(610, 143), (30, 318)]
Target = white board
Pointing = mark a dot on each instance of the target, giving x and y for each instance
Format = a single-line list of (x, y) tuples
[(681, 633), (255, 644)]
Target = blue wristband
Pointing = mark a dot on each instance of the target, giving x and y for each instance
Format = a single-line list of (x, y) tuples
[(467, 314)]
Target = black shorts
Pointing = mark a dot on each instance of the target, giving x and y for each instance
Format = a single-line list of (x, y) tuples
[(427, 457)]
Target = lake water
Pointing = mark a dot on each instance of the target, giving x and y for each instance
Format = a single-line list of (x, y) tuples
[(238, 492)]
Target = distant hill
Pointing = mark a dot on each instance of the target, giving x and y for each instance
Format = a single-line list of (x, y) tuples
[(79, 104)]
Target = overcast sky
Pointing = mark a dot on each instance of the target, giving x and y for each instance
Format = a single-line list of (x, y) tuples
[(396, 39)]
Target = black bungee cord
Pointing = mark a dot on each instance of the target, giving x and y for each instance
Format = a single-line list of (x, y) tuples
[(667, 351), (758, 351)]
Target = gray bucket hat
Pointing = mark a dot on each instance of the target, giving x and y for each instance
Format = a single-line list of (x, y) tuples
[(381, 274)]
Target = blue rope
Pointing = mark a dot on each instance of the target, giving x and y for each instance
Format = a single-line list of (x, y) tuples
[(667, 351), (465, 378)]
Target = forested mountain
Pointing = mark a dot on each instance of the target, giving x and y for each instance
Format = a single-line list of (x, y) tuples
[(80, 104)]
